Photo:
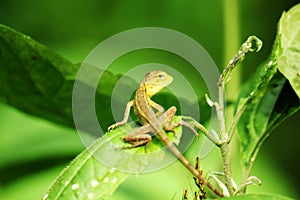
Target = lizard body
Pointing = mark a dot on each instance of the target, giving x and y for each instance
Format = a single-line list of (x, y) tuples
[(140, 136), (152, 83)]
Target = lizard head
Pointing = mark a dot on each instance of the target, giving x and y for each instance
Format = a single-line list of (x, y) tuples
[(156, 80)]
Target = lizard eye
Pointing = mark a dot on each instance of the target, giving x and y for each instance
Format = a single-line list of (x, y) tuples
[(161, 76)]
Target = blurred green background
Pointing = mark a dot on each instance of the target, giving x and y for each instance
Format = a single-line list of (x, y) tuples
[(33, 151)]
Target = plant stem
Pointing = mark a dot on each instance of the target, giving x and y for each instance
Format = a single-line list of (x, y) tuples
[(252, 44), (226, 164), (224, 146)]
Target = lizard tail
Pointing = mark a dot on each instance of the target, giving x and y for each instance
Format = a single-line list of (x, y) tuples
[(163, 137)]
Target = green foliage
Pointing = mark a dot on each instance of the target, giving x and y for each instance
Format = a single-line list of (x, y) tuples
[(289, 47), (35, 79), (268, 99), (39, 82), (88, 177)]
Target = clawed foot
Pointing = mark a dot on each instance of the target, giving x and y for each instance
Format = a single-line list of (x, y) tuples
[(111, 127)]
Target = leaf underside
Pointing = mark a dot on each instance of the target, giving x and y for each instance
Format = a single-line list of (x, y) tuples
[(99, 170), (288, 61), (271, 95), (40, 82)]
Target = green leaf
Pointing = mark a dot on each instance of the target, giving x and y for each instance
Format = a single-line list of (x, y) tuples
[(289, 37), (35, 79), (266, 100), (258, 197), (38, 81), (91, 174), (86, 177)]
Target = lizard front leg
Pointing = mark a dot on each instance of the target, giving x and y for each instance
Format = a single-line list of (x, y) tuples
[(159, 108), (126, 116)]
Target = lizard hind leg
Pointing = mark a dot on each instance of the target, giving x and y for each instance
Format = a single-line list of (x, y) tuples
[(169, 126), (137, 140)]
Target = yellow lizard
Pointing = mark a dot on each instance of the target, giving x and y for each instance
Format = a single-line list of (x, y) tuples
[(152, 83)]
